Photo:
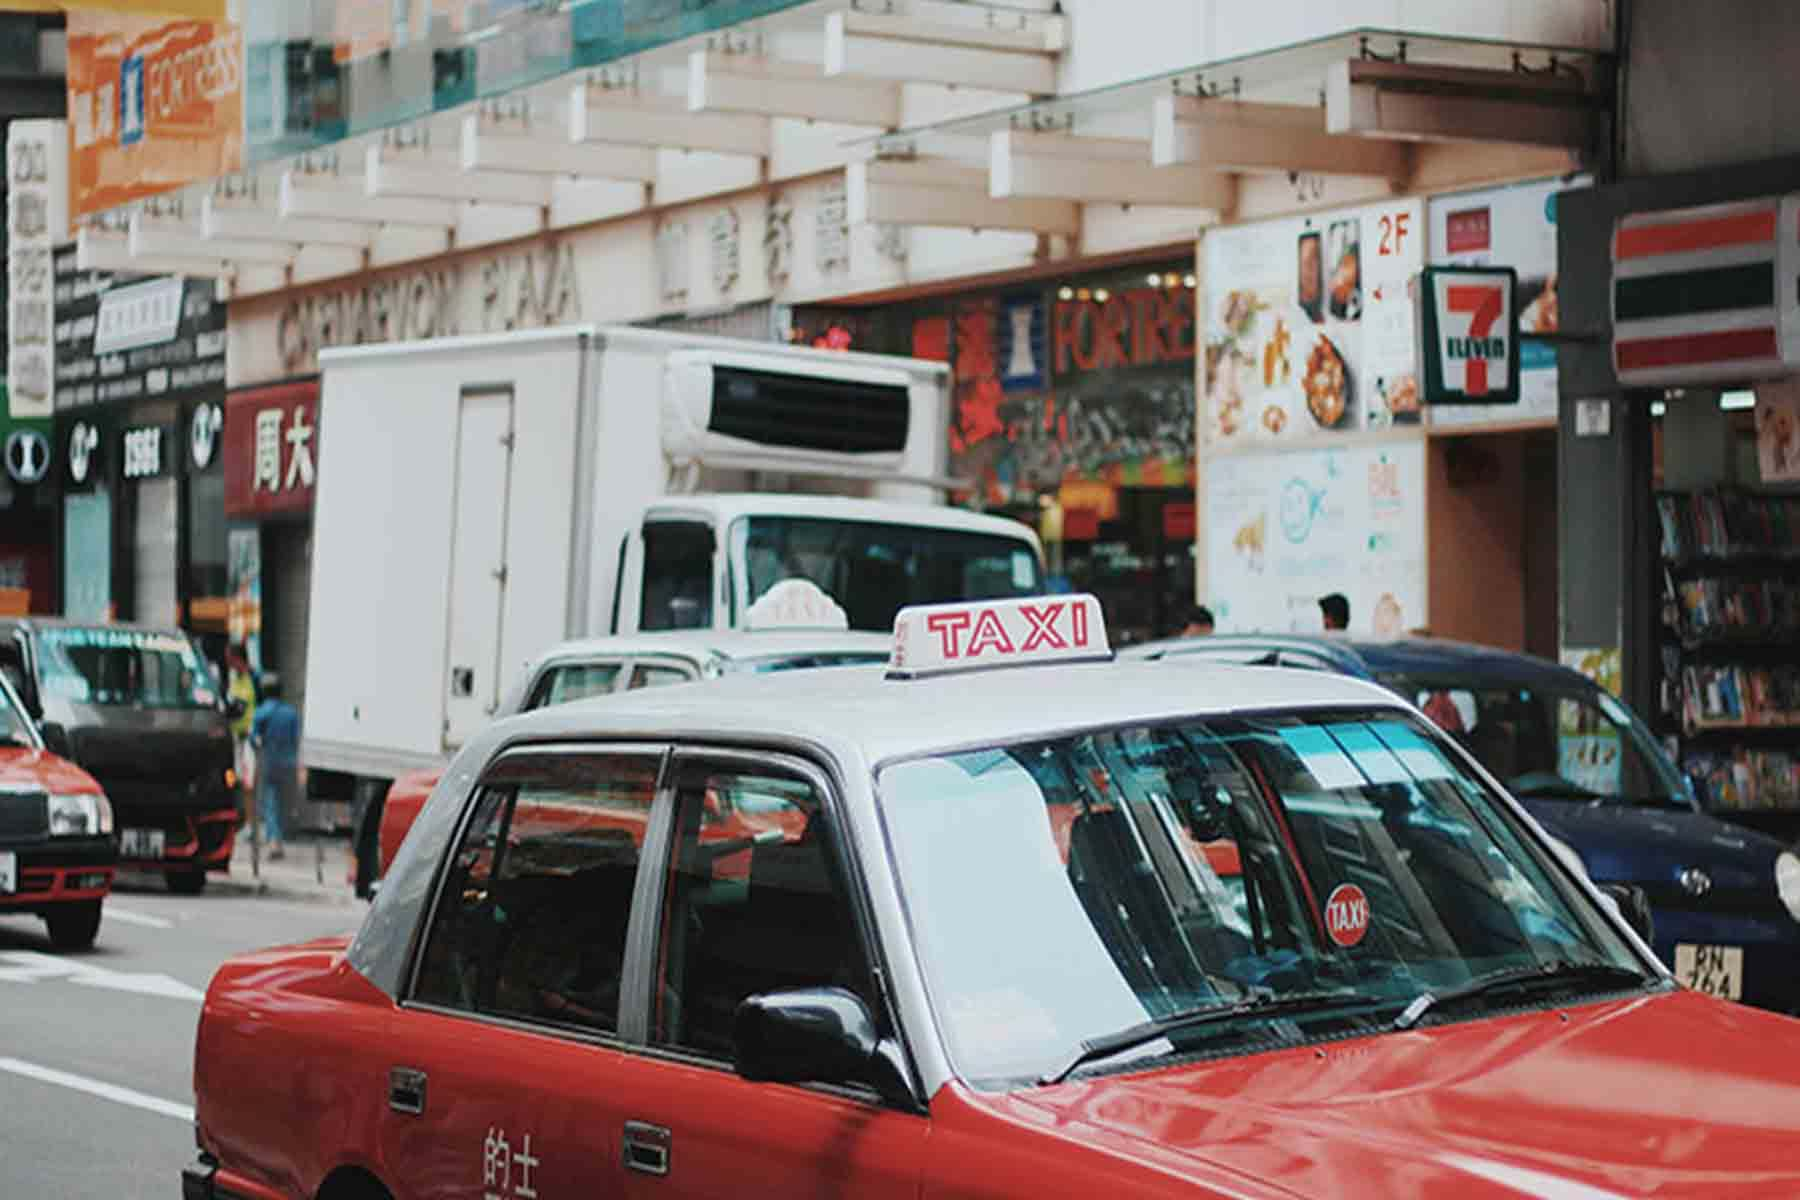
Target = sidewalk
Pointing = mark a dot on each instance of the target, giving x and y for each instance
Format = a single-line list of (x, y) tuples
[(296, 876)]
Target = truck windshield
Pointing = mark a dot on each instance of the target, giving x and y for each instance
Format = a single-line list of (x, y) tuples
[(1553, 743), (873, 569), (142, 668), (1064, 888)]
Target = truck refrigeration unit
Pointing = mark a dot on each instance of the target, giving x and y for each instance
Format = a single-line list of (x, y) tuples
[(481, 499)]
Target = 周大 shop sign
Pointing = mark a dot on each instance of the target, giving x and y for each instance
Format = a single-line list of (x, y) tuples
[(155, 103), (1469, 335)]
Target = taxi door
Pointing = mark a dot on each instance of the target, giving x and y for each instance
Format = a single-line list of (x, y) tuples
[(505, 1070), (731, 928)]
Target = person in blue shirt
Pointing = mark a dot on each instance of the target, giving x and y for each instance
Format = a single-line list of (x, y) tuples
[(275, 732)]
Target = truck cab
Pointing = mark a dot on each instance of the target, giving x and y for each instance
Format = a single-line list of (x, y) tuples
[(138, 708)]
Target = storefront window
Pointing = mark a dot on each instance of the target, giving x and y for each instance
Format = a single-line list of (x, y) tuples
[(206, 536)]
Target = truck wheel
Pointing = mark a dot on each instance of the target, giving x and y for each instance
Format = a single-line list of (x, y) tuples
[(187, 883), (74, 926)]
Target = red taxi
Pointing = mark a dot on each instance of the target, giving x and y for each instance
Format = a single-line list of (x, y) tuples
[(56, 834), (977, 953)]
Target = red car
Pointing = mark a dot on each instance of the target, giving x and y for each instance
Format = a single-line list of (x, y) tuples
[(972, 951), (56, 834)]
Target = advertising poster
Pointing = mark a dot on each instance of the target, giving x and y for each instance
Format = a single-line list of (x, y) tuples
[(243, 617), (1589, 751), (1309, 324), (1778, 431), (155, 103), (1508, 227), (1291, 526)]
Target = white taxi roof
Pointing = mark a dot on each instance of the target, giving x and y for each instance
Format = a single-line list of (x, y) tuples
[(862, 713), (702, 644)]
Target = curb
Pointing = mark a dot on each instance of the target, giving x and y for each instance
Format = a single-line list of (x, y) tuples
[(241, 883)]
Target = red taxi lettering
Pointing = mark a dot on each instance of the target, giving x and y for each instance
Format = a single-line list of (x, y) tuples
[(1347, 914), (1043, 626), (949, 628), (989, 632), (1078, 617)]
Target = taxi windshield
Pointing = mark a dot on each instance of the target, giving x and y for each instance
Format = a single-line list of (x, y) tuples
[(1064, 890), (115, 666), (16, 729), (1549, 742)]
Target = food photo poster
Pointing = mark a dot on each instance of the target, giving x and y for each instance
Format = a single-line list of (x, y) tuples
[(1309, 324)]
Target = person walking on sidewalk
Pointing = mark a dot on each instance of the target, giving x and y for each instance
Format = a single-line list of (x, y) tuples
[(241, 688), (275, 732)]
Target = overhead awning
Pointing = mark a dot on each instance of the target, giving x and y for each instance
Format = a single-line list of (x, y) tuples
[(1394, 111)]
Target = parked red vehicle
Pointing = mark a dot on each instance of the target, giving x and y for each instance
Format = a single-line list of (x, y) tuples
[(921, 988), (56, 834)]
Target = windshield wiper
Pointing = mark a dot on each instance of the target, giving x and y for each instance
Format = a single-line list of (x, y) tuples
[(1598, 974), (1133, 1036)]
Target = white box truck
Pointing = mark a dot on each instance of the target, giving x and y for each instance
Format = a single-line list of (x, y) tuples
[(481, 499)]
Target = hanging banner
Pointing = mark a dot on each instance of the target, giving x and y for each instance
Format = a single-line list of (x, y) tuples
[(1469, 335), (155, 103), (37, 217)]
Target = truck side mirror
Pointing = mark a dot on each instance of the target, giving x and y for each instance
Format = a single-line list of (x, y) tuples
[(56, 739)]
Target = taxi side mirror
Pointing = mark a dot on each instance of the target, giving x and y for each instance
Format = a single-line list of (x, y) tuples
[(56, 739), (1634, 906), (815, 1035)]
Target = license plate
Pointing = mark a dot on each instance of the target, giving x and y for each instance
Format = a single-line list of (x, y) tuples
[(9, 872), (141, 843), (1715, 970)]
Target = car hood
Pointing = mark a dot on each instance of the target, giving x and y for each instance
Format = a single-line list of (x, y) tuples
[(1621, 844), (1669, 1095), (40, 770), (150, 745)]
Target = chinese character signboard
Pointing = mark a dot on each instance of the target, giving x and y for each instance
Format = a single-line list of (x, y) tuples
[(1469, 335), (123, 337), (37, 217), (270, 446), (155, 103)]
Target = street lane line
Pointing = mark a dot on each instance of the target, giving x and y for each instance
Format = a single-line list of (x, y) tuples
[(114, 913), (93, 1087)]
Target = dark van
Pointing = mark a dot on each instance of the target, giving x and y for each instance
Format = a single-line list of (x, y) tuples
[(140, 709)]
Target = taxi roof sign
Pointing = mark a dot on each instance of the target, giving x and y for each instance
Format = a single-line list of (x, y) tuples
[(939, 638), (796, 604)]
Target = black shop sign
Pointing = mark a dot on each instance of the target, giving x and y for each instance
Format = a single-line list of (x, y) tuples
[(125, 337)]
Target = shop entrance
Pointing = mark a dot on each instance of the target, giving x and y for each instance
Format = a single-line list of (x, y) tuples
[(1491, 528)]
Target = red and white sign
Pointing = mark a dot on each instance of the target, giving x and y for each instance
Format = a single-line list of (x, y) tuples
[(1471, 335), (932, 639), (1469, 230), (1346, 914), (270, 445)]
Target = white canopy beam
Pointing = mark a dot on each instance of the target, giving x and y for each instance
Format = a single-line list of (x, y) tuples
[(746, 83), (1099, 171), (905, 49), (245, 223), (98, 251), (333, 198), (151, 239), (622, 117), (1370, 97), (1229, 135), (485, 148), (953, 195), (389, 174)]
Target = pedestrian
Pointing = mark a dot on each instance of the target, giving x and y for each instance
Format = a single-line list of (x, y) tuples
[(1335, 611), (275, 732), (1199, 622), (240, 688)]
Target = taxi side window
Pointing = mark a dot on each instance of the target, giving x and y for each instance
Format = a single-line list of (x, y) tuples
[(646, 675), (755, 903), (533, 917), (573, 681)]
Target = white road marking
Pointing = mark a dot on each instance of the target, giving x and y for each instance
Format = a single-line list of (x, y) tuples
[(93, 1087), (114, 913), (29, 966)]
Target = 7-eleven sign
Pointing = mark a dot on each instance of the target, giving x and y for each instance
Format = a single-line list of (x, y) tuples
[(1469, 335)]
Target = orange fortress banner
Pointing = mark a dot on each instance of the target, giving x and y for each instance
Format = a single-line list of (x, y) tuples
[(155, 103)]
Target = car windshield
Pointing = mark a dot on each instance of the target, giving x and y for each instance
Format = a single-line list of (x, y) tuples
[(1065, 889), (115, 666), (873, 569), (1566, 743), (16, 728)]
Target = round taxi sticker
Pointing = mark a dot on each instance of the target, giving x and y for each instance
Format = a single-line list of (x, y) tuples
[(1346, 914)]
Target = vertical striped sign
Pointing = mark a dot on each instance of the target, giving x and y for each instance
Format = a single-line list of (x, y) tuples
[(1707, 294)]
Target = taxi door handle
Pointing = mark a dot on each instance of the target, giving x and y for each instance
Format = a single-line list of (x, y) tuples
[(406, 1090), (646, 1148)]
